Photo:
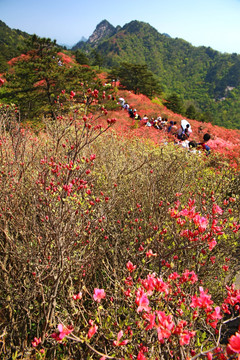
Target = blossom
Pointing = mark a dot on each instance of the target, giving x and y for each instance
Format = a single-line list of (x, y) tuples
[(201, 222), (234, 343), (119, 336), (203, 301), (209, 356), (217, 210), (149, 253), (151, 319), (77, 296), (212, 244), (92, 331), (214, 316), (186, 336), (99, 294), (130, 266), (141, 356), (142, 302), (62, 332), (36, 342), (165, 326)]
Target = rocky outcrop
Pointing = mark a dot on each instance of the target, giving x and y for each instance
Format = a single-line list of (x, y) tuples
[(103, 30)]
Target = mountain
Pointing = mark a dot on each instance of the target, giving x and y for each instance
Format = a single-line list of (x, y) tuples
[(103, 31), (10, 39), (200, 75)]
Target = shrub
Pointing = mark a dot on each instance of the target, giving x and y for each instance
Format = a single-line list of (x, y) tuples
[(109, 245)]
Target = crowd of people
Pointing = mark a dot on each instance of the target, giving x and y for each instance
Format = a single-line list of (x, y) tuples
[(180, 134)]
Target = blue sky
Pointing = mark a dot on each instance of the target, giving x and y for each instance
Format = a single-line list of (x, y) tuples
[(213, 23)]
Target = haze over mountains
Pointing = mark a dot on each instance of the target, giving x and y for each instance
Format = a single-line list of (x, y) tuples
[(201, 76)]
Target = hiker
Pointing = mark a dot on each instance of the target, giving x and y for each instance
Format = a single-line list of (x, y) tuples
[(193, 147), (206, 138), (200, 129), (137, 117), (174, 128), (188, 130), (145, 119), (180, 133), (185, 141), (121, 101), (170, 127), (131, 114), (184, 129), (156, 124)]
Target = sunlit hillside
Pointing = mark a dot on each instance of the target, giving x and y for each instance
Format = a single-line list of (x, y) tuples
[(223, 141)]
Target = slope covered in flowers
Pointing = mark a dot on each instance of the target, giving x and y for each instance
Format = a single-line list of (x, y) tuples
[(223, 141)]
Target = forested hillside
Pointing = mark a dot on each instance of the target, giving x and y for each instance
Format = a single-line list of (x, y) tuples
[(206, 81), (201, 75), (10, 40)]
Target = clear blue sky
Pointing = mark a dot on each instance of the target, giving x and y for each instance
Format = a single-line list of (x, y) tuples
[(213, 23)]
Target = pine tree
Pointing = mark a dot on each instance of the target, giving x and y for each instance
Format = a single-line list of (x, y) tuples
[(38, 76), (137, 78), (174, 103)]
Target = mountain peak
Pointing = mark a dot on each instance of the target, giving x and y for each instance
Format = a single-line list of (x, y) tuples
[(103, 30)]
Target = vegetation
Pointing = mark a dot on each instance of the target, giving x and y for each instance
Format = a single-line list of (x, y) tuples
[(11, 41), (36, 78), (108, 245), (200, 74), (112, 246), (137, 78)]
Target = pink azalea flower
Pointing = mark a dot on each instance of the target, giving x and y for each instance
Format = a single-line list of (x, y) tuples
[(99, 294), (151, 319), (92, 331), (209, 356), (201, 222), (203, 301), (217, 210), (215, 316), (186, 336), (141, 356), (119, 336), (212, 244), (130, 266), (149, 253), (142, 302), (234, 343), (36, 342), (165, 326), (62, 332)]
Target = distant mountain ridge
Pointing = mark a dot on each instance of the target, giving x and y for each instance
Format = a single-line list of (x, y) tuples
[(200, 75)]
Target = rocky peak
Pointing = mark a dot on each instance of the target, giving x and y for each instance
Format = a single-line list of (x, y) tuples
[(103, 30)]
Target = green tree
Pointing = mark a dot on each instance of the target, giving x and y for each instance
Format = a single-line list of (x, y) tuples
[(174, 103), (37, 78), (97, 59), (191, 112), (137, 78), (81, 58)]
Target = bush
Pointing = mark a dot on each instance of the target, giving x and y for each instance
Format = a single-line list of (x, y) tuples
[(108, 245)]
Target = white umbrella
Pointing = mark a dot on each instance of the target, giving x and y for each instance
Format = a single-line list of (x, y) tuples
[(184, 124)]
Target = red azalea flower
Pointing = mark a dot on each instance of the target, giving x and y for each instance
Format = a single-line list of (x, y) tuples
[(234, 343)]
